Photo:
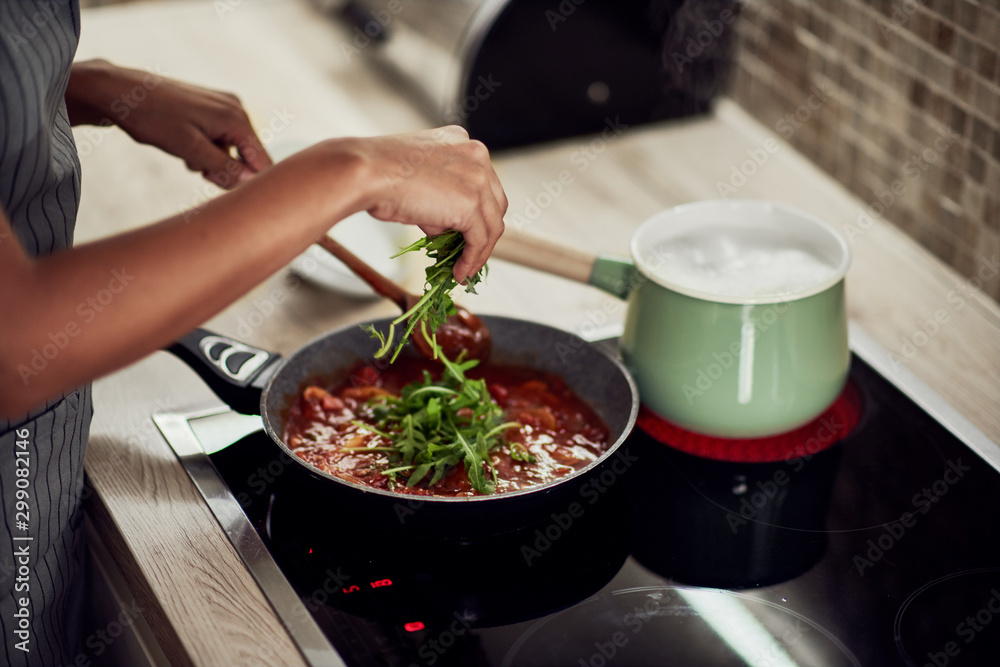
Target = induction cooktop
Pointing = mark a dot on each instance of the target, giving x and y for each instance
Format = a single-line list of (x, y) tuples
[(878, 547)]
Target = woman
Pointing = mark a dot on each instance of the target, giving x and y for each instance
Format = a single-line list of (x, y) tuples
[(171, 276)]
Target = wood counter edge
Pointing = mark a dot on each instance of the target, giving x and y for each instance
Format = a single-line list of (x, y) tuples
[(204, 606)]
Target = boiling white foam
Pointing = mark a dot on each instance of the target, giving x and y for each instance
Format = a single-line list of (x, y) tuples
[(733, 262)]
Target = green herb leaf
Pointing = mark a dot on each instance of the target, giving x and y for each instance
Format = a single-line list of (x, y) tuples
[(436, 304), (424, 424), (437, 424)]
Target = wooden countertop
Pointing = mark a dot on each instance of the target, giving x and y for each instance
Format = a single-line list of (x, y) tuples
[(287, 66)]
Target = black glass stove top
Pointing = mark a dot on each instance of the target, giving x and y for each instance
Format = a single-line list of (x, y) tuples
[(883, 549)]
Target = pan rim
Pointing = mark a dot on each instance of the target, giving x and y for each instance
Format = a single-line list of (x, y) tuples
[(540, 489), (759, 212)]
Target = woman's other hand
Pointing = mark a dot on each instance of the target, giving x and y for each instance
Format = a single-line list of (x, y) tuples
[(207, 129)]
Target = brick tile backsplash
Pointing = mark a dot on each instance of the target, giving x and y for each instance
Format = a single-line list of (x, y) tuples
[(914, 100)]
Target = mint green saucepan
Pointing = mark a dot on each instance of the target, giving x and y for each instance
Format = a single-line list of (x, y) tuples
[(736, 324)]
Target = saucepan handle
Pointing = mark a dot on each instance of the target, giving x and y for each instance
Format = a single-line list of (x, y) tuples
[(611, 273), (544, 254), (235, 371)]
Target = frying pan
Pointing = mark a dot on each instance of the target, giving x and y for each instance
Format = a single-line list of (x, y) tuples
[(254, 381)]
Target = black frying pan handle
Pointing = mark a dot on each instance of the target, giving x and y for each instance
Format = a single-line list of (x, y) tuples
[(235, 371)]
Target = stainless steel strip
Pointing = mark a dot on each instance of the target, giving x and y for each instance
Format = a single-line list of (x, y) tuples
[(311, 641)]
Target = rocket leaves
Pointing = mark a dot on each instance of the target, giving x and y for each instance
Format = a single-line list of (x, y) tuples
[(436, 304), (434, 425)]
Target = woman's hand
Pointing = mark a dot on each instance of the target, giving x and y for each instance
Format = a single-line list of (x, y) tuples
[(437, 180), (200, 126)]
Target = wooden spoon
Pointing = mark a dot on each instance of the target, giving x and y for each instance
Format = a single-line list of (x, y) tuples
[(463, 331)]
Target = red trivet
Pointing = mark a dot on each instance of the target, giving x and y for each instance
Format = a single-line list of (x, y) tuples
[(829, 428)]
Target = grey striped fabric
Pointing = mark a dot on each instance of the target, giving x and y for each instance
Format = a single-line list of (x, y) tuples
[(50, 574), (41, 550)]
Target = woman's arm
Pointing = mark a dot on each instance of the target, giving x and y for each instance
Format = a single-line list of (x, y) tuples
[(204, 127), (171, 276)]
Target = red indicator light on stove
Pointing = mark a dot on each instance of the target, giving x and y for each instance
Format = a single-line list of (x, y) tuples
[(414, 626), (381, 582), (351, 589)]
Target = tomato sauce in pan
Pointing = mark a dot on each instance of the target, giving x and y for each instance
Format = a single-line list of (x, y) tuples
[(558, 429)]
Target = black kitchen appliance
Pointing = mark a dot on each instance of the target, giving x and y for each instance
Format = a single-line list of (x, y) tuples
[(515, 72), (880, 547)]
